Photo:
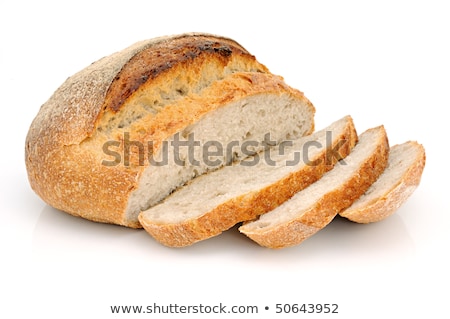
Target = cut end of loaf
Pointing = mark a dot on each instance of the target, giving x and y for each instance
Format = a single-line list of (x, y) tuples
[(230, 132)]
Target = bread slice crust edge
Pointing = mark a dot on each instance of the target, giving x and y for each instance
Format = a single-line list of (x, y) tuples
[(323, 212), (382, 207), (248, 206)]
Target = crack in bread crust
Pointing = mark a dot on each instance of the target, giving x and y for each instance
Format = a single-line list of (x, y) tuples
[(163, 56)]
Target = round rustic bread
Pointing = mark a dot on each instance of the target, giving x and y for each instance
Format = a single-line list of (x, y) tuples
[(97, 147)]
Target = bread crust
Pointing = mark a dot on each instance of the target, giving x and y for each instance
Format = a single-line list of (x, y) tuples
[(248, 206), (322, 213), (63, 152), (382, 207)]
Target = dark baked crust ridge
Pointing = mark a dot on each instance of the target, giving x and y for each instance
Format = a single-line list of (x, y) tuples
[(150, 63)]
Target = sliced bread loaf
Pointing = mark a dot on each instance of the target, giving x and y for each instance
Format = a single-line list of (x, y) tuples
[(215, 202), (401, 177), (313, 208), (89, 150)]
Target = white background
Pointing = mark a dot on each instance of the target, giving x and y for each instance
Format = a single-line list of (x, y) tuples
[(383, 62)]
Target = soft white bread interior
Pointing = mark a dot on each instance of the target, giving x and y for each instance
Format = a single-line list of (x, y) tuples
[(215, 202), (399, 180), (313, 208), (231, 133), (88, 151)]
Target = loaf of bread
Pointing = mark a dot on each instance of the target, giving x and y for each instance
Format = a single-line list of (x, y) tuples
[(122, 134), (217, 201), (313, 208), (189, 135)]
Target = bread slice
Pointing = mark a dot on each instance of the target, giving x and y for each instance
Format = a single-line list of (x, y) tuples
[(97, 147), (213, 203), (313, 208), (396, 184)]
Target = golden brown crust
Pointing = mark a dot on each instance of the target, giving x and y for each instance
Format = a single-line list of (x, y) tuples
[(64, 152), (383, 207), (323, 211), (164, 55), (248, 206)]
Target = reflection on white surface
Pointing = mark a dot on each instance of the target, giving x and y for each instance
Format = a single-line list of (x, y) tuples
[(61, 237)]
